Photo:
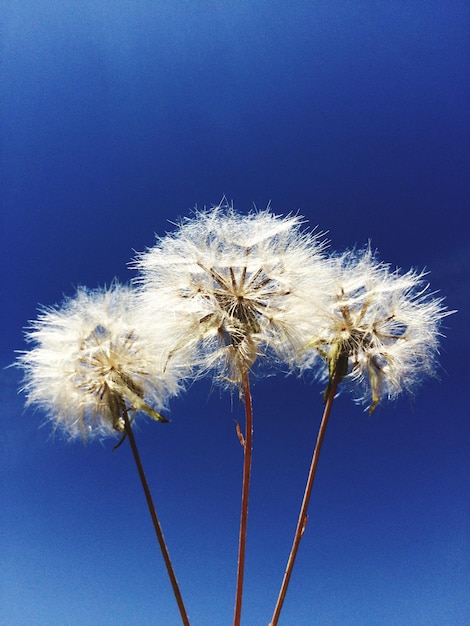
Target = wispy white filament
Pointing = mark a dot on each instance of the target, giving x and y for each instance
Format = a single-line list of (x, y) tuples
[(381, 326), (227, 293), (234, 288), (91, 360)]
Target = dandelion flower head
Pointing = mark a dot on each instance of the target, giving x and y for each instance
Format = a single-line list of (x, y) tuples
[(233, 287), (91, 362), (380, 330)]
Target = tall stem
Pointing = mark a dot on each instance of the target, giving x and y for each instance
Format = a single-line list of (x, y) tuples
[(247, 453), (156, 523), (303, 517)]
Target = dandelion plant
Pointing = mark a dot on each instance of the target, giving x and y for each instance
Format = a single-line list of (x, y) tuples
[(234, 285), (379, 334), (92, 370)]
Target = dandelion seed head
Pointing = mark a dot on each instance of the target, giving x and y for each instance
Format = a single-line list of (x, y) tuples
[(91, 361), (233, 286), (382, 326)]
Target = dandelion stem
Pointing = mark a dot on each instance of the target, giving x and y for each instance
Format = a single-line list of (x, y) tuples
[(247, 453), (156, 523), (303, 517)]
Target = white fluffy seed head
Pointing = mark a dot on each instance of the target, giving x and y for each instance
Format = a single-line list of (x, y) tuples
[(91, 360), (233, 288), (385, 324)]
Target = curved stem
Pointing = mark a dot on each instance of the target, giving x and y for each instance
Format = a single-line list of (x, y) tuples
[(156, 523), (247, 453), (303, 517)]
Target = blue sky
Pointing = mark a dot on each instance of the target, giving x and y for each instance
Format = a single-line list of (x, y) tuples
[(116, 119)]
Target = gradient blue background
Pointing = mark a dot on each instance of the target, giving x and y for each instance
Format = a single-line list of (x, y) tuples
[(118, 117)]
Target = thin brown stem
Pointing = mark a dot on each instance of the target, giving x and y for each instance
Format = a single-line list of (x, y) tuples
[(247, 453), (303, 517), (156, 523)]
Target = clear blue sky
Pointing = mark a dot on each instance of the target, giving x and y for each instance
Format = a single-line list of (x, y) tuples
[(115, 119)]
